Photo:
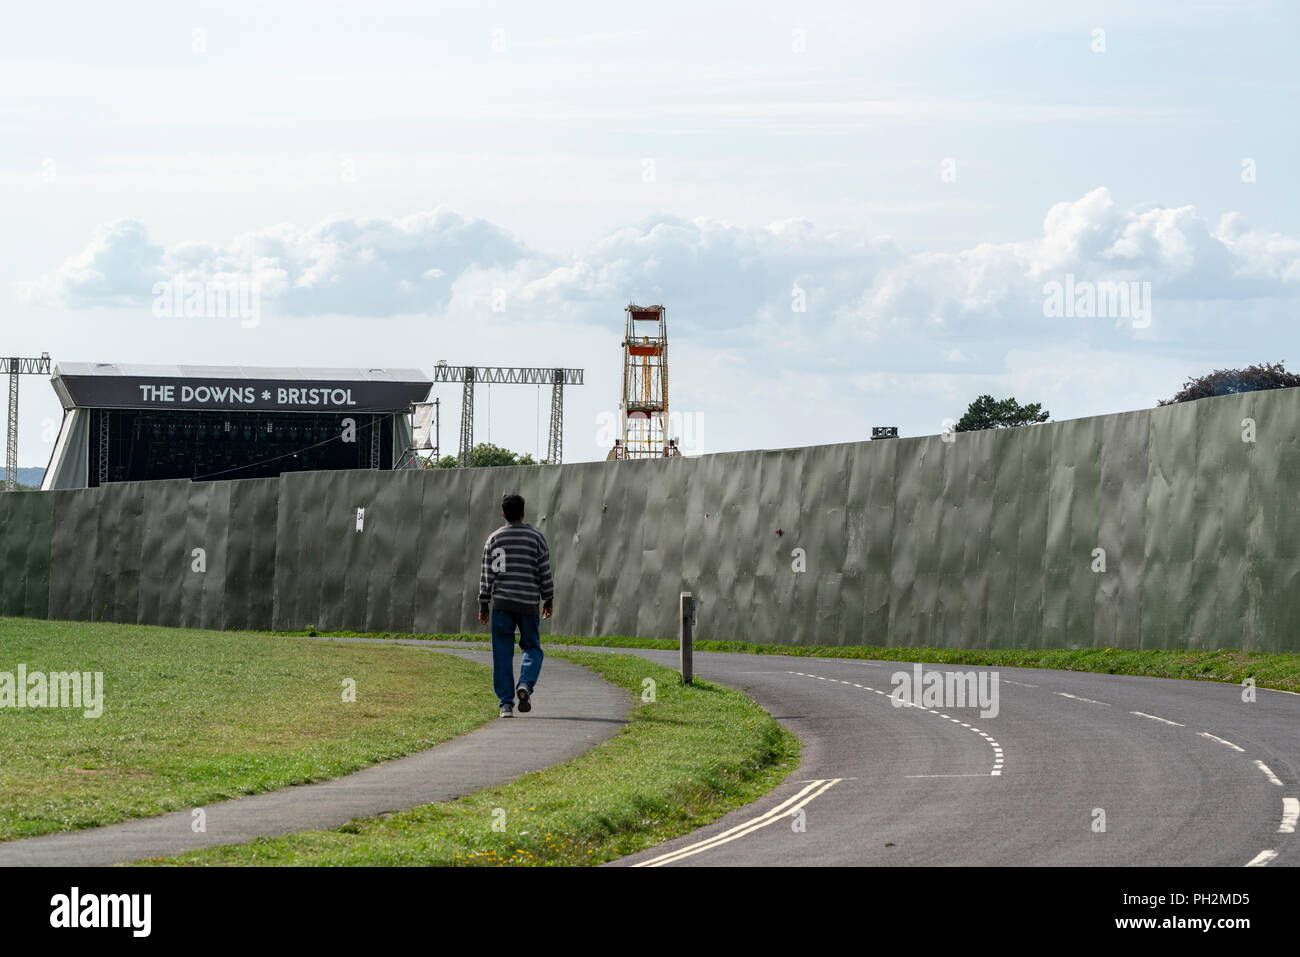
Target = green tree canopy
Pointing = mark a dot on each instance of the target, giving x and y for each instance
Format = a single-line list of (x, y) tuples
[(486, 455), (987, 412), (1270, 375)]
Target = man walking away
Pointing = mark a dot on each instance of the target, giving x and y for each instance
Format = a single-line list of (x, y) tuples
[(515, 576)]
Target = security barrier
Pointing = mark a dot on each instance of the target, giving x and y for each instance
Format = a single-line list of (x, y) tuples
[(1164, 528)]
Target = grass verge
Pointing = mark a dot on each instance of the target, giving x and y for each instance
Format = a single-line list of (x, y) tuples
[(681, 761), (191, 717), (1279, 671)]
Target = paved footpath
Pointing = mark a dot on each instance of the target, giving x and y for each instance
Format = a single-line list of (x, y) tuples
[(573, 711)]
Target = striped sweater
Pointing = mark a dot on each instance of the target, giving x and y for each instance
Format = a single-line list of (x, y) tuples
[(516, 570)]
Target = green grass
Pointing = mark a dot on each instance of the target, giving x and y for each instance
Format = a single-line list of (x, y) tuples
[(191, 717), (1280, 671), (680, 762)]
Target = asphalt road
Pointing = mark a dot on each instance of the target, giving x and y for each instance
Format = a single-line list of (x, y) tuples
[(1184, 772), (1073, 769)]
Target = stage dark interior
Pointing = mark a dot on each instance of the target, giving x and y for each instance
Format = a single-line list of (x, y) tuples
[(145, 445)]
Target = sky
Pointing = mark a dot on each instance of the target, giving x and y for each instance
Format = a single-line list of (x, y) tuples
[(856, 214)]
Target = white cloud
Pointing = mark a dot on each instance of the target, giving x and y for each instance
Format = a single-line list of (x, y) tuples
[(992, 289), (116, 268), (825, 301), (1260, 254), (342, 266)]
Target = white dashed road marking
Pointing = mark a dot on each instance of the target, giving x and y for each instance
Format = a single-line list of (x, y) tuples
[(1075, 697), (1262, 859), (1290, 814), (1143, 714), (1223, 741), (1268, 773), (999, 759)]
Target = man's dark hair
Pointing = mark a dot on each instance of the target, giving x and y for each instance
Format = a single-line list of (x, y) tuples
[(512, 507)]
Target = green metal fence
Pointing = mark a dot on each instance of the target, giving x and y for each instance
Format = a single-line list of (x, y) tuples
[(1165, 528)]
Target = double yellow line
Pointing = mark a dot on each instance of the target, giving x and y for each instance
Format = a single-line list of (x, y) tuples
[(813, 790)]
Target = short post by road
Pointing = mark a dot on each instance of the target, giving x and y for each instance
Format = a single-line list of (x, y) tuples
[(685, 628)]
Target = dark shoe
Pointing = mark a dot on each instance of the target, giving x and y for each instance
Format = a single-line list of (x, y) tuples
[(525, 699)]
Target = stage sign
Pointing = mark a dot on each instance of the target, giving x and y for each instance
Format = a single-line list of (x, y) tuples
[(221, 394)]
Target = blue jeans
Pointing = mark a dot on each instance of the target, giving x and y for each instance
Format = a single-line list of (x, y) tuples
[(503, 654)]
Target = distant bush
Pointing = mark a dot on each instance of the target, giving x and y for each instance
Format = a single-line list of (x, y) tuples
[(987, 412), (1232, 381), (486, 455)]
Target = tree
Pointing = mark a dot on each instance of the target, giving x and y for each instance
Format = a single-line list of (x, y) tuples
[(486, 455), (987, 412), (1270, 375)]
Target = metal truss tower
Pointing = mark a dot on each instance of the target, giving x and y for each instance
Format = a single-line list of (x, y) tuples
[(15, 367), (493, 375), (467, 419), (645, 385), (555, 444)]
